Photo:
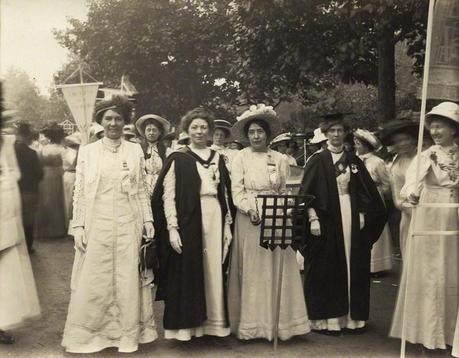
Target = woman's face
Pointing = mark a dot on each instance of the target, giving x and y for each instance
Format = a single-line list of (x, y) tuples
[(403, 143), (113, 124), (257, 137), (152, 132), (360, 147), (335, 135), (219, 136), (198, 132), (282, 147), (442, 132)]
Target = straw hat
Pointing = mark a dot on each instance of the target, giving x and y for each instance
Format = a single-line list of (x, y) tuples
[(139, 124), (398, 126), (119, 104), (223, 125), (368, 137), (128, 129), (449, 110), (183, 138), (260, 112), (283, 137), (319, 137)]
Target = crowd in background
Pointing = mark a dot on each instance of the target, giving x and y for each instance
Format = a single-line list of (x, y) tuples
[(193, 194)]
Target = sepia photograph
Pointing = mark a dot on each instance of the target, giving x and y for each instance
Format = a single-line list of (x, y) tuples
[(229, 178)]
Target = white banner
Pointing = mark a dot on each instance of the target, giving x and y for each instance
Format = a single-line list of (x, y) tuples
[(81, 99)]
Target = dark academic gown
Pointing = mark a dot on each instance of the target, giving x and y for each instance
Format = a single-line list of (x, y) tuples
[(181, 276), (326, 286)]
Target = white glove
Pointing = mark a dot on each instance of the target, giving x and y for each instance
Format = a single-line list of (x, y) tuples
[(148, 230), (315, 227), (227, 238), (362, 220), (175, 241), (80, 239)]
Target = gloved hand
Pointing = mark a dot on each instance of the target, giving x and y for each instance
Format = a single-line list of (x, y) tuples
[(362, 220), (254, 217), (80, 239), (175, 241), (227, 238), (413, 199), (315, 227), (148, 230)]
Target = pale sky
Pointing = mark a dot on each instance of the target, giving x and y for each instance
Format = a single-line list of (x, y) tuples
[(26, 38)]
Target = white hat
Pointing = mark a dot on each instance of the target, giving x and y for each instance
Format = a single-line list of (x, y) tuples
[(164, 122), (261, 112), (448, 110), (73, 139), (283, 137), (183, 137), (367, 136), (128, 129), (319, 137), (96, 128)]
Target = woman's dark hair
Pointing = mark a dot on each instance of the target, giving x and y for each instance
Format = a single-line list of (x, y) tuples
[(446, 120), (261, 123), (198, 112), (119, 104), (54, 133), (156, 123)]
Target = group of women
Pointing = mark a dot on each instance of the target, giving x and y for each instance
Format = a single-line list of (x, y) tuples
[(198, 207)]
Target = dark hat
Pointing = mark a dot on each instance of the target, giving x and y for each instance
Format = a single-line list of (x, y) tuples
[(331, 119), (23, 129), (406, 126), (119, 104), (55, 133)]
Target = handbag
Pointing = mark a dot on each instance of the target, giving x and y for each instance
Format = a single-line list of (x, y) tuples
[(148, 255)]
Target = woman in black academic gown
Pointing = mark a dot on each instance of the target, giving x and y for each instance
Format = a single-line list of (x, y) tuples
[(346, 218), (193, 234)]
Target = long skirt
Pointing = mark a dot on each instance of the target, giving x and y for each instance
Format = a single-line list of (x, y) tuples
[(405, 220), (51, 211), (109, 305), (69, 182), (381, 253), (428, 298), (213, 276), (252, 292), (338, 323)]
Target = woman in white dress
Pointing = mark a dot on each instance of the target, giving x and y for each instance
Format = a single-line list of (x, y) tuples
[(152, 128), (220, 139), (365, 145), (69, 159), (192, 220), (428, 299), (401, 136), (253, 269), (110, 303), (18, 294)]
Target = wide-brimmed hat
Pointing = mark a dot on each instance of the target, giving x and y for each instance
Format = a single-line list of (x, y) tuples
[(283, 137), (183, 138), (448, 110), (368, 137), (119, 104), (259, 112), (223, 125), (140, 123), (319, 137), (331, 119), (128, 129), (398, 126)]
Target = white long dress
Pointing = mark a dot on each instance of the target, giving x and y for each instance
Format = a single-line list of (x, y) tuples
[(428, 297), (110, 305), (254, 270), (381, 253), (18, 294), (212, 228), (69, 165)]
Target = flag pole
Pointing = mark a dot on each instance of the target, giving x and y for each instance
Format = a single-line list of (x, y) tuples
[(425, 82), (85, 135)]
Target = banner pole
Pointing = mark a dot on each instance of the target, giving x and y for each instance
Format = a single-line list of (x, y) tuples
[(425, 82)]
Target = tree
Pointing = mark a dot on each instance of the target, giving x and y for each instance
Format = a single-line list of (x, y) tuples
[(171, 50)]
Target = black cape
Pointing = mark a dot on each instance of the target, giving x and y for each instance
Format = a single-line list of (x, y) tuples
[(326, 286), (180, 279)]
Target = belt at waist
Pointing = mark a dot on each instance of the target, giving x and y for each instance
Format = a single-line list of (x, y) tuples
[(208, 196), (343, 191)]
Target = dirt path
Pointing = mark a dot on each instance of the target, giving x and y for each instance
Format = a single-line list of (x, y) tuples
[(52, 263)]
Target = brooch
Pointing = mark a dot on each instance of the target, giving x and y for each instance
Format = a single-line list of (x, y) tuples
[(354, 168)]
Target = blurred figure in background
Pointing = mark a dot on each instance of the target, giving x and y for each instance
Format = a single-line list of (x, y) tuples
[(69, 160), (51, 212), (96, 132), (31, 174), (220, 138), (18, 294), (366, 144), (281, 145)]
